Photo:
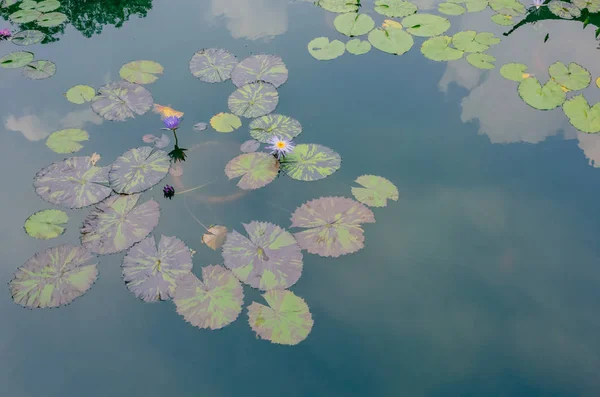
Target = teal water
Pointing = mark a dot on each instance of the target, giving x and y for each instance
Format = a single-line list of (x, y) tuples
[(482, 280)]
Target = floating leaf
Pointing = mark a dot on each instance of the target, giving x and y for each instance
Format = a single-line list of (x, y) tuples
[(215, 236), (212, 65), (141, 72), (358, 47), (46, 224), (339, 5), (268, 259), (24, 16), (573, 77), (391, 40), (250, 146), (267, 68), (310, 162), (16, 59), (212, 303), (581, 115), (286, 321), (201, 126), (116, 224), (266, 127), (256, 169), (8, 3), (53, 277), (503, 20), (120, 100), (166, 111), (38, 70), (225, 122), (564, 10), (507, 7), (74, 183), (592, 6), (333, 225), (425, 25), (353, 24), (28, 37), (390, 23), (28, 5), (548, 97), (47, 5), (395, 8), (138, 169), (324, 50), (467, 41), (152, 272), (481, 61), (51, 19), (375, 192), (514, 71), (451, 9), (67, 141), (474, 5), (438, 49), (80, 94), (253, 100)]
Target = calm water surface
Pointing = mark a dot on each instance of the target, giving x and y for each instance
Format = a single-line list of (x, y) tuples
[(482, 280)]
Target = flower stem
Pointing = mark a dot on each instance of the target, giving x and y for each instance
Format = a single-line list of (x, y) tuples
[(176, 140)]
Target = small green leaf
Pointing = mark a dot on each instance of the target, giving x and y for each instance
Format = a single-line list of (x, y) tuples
[(573, 77), (141, 72), (391, 40), (425, 25), (24, 16), (503, 20), (67, 141), (16, 59), (358, 47), (51, 19), (80, 94), (225, 122), (353, 24), (324, 50), (581, 115), (481, 61), (514, 71), (438, 49), (375, 190), (46, 224), (395, 8), (451, 9), (546, 97), (38, 70)]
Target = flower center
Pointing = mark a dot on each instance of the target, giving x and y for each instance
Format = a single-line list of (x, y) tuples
[(280, 145)]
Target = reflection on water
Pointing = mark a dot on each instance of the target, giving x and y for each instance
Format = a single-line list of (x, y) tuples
[(253, 19), (35, 127)]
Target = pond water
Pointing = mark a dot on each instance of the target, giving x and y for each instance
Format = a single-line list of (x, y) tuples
[(482, 279)]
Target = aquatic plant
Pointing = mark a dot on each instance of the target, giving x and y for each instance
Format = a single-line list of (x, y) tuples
[(280, 147), (169, 191)]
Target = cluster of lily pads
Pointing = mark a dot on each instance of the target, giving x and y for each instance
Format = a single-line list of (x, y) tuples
[(35, 70), (43, 13)]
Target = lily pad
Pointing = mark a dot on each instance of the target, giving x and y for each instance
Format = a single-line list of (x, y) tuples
[(141, 72), (502, 20), (24, 16), (507, 7), (152, 272), (8, 3), (67, 141), (253, 100), (80, 94), (225, 122), (51, 19), (546, 97), (138, 169), (53, 277), (16, 59), (28, 5), (310, 162), (514, 71), (471, 41), (438, 49), (391, 40), (286, 321), (267, 68), (74, 183), (375, 190), (581, 115), (324, 50), (46, 224), (481, 61), (353, 24), (451, 9), (564, 10), (266, 127), (592, 6), (212, 65), (340, 6), (28, 37), (215, 236), (395, 8), (212, 303), (425, 25), (256, 169), (358, 47), (120, 100), (333, 225), (268, 259), (48, 5), (250, 146), (573, 77), (116, 224), (38, 70), (474, 5)]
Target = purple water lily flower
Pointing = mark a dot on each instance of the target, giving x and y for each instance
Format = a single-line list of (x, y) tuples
[(280, 147), (5, 34), (168, 191), (172, 122)]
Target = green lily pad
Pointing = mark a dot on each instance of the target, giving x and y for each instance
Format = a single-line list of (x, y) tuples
[(451, 9), (358, 47), (46, 224), (391, 40), (47, 5), (225, 122), (141, 72), (274, 125), (28, 5), (67, 141), (138, 169), (285, 321), (16, 59), (573, 77), (375, 190), (80, 94), (592, 6), (546, 97), (353, 24), (120, 100), (310, 162), (564, 10), (514, 71), (438, 49), (425, 25), (395, 8), (324, 50), (339, 6), (212, 65), (471, 41), (475, 5), (253, 100), (507, 7), (502, 20), (28, 37), (51, 19), (257, 169), (481, 61), (38, 70), (581, 115), (24, 16)]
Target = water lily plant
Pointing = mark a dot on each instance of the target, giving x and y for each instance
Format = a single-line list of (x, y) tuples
[(280, 147), (5, 34), (168, 191), (172, 123)]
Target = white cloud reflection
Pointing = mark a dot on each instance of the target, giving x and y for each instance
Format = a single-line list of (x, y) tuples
[(253, 19)]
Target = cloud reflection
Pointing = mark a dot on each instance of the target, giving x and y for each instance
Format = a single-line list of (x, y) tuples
[(253, 19)]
